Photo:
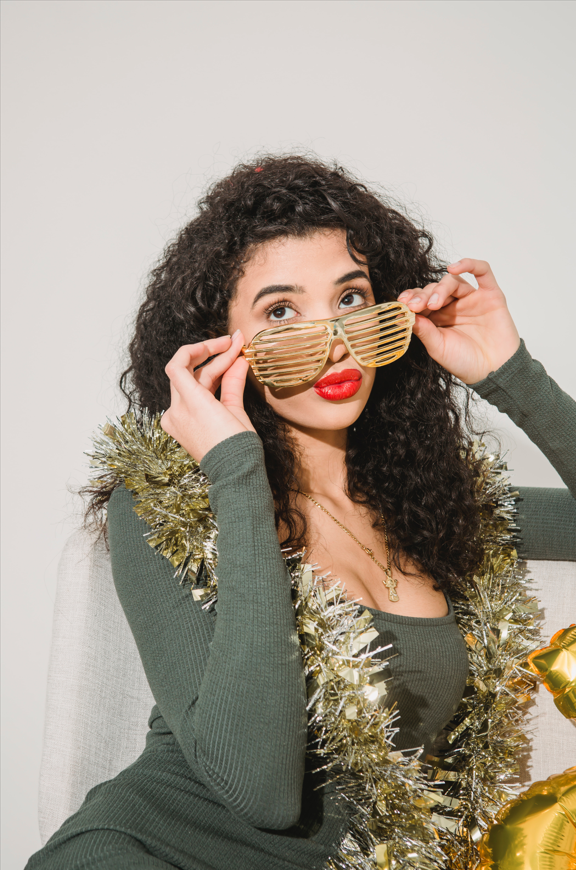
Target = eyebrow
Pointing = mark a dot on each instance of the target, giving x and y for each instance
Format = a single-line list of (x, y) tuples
[(277, 288), (296, 288), (350, 276)]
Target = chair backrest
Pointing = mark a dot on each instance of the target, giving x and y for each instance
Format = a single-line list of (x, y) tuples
[(98, 699)]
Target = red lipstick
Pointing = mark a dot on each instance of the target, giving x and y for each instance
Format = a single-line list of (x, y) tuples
[(339, 385)]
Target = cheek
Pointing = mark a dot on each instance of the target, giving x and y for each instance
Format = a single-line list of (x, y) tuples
[(368, 377)]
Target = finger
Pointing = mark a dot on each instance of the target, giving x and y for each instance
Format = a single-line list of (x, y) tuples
[(233, 383), (479, 268), (209, 376), (434, 295), (187, 358), (168, 420), (437, 295), (431, 337), (450, 288), (180, 371), (415, 299), (193, 355)]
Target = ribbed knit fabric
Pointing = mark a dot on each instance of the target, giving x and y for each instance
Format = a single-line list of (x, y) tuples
[(546, 517), (522, 389), (222, 783), (428, 669)]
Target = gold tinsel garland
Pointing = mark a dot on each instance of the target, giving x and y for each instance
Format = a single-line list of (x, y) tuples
[(484, 741), (404, 815)]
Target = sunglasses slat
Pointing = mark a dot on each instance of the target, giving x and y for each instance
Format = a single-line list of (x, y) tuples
[(377, 335), (380, 335), (383, 360), (280, 346), (397, 323), (393, 309), (384, 325), (382, 352), (287, 367), (380, 341), (266, 364), (262, 352), (279, 334), (380, 325), (301, 357), (290, 378), (373, 341)]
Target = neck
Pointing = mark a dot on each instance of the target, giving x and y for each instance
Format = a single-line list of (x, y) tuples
[(322, 455)]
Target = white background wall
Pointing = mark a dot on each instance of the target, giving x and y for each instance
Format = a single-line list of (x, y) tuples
[(116, 115)]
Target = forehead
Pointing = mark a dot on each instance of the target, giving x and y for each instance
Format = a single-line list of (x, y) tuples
[(320, 257)]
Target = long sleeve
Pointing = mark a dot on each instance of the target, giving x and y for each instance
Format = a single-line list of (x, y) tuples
[(230, 686), (546, 516)]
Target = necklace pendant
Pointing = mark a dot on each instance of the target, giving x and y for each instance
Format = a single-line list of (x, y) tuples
[(391, 583)]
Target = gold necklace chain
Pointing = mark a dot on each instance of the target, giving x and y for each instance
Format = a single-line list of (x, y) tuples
[(390, 582)]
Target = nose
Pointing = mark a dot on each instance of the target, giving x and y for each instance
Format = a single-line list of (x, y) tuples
[(337, 351)]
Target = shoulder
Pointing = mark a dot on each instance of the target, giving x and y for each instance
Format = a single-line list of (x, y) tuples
[(127, 532), (121, 514), (121, 498)]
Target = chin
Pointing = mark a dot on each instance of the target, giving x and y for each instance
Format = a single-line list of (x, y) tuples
[(309, 411)]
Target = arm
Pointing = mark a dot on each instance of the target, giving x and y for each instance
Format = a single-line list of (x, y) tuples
[(469, 331), (231, 689), (522, 389), (546, 523)]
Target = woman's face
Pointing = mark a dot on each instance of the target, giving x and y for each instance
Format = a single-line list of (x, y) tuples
[(289, 280)]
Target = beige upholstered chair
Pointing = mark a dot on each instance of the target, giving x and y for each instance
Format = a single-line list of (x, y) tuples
[(99, 701)]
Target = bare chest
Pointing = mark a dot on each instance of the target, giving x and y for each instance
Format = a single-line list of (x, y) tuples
[(337, 555)]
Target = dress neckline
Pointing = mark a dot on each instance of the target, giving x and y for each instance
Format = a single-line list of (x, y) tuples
[(385, 616)]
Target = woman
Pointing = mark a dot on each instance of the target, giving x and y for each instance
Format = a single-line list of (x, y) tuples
[(369, 468)]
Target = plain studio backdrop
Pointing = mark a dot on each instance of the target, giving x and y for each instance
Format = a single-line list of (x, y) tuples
[(117, 114)]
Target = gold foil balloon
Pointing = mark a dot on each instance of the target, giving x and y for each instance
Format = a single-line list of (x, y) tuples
[(556, 664), (537, 831)]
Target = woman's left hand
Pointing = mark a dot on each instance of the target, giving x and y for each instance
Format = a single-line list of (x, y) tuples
[(468, 331)]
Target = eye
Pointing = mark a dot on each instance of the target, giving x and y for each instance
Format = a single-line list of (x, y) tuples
[(352, 299), (281, 312)]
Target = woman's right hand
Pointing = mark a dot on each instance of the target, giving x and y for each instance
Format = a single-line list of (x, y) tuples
[(195, 418)]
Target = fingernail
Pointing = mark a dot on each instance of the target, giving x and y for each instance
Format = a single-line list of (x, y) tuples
[(457, 263), (433, 299), (405, 295), (234, 334), (415, 300)]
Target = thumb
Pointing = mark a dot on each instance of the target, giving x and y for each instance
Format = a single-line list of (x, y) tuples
[(233, 383), (430, 335)]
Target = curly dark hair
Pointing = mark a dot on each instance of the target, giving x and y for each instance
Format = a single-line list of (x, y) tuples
[(409, 456)]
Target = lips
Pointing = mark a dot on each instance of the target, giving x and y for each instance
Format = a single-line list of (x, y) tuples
[(339, 385)]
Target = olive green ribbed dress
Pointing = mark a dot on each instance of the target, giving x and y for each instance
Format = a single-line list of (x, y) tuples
[(222, 784)]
